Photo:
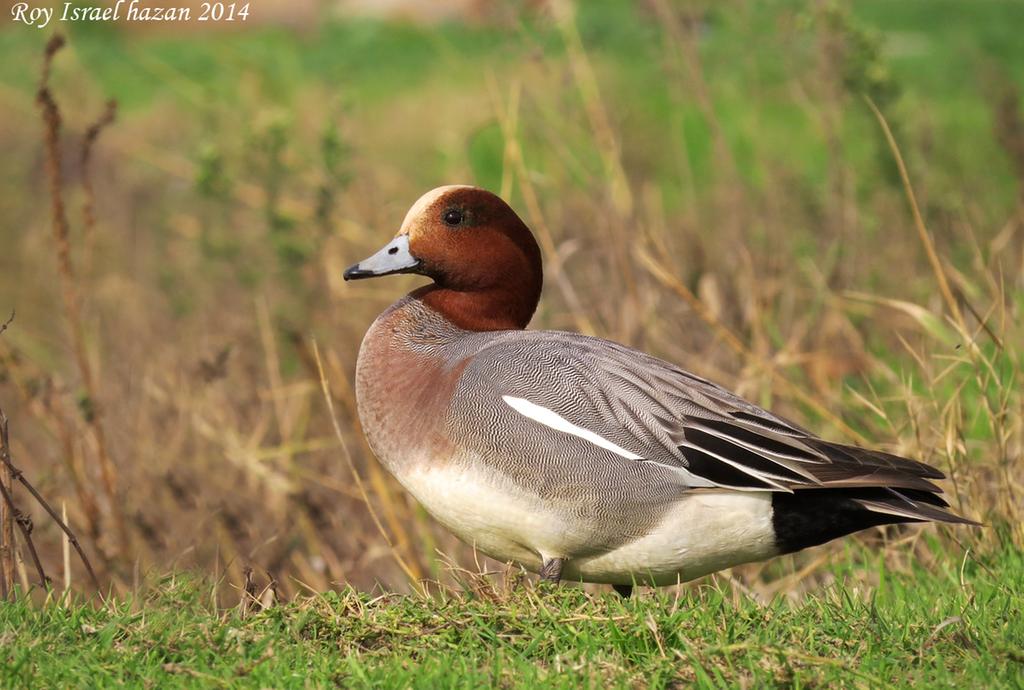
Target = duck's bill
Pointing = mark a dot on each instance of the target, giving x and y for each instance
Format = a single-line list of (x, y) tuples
[(393, 258)]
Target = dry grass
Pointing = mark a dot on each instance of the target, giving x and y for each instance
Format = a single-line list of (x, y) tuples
[(171, 392)]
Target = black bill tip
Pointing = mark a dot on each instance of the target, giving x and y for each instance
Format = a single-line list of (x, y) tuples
[(393, 258), (354, 272)]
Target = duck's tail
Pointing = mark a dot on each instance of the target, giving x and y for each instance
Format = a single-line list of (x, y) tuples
[(870, 488)]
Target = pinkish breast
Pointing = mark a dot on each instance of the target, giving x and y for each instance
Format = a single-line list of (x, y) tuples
[(403, 385)]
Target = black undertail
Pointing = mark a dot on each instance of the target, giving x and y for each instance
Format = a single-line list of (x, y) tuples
[(808, 517)]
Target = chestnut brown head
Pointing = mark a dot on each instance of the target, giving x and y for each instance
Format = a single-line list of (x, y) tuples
[(484, 261)]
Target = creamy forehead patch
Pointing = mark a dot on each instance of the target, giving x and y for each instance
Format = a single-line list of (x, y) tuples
[(425, 201)]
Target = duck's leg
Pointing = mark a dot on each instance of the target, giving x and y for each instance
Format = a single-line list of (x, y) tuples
[(623, 591), (551, 570)]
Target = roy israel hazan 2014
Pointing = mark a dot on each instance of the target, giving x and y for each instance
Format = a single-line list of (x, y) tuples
[(130, 10)]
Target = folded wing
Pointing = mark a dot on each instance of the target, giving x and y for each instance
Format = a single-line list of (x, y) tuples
[(651, 411)]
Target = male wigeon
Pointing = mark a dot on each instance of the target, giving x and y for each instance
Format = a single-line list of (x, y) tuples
[(577, 457)]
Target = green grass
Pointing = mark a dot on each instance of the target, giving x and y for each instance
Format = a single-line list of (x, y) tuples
[(952, 624)]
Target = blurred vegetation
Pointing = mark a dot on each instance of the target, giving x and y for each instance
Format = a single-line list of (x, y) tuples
[(708, 183)]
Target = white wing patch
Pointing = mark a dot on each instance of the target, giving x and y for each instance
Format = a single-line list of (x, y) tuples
[(559, 423)]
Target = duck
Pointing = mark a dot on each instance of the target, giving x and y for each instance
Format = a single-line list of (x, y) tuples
[(576, 457)]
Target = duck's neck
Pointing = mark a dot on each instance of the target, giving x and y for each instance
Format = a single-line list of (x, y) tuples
[(489, 309)]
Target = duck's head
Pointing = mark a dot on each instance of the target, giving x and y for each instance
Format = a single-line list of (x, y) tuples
[(484, 261)]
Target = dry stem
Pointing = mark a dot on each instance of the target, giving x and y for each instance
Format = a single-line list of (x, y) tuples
[(922, 231), (13, 515), (26, 524), (6, 524), (105, 119), (72, 307)]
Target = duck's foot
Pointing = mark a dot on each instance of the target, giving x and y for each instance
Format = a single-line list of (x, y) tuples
[(623, 591), (551, 570)]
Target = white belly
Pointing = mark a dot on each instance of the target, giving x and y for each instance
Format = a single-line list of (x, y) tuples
[(491, 515), (703, 532)]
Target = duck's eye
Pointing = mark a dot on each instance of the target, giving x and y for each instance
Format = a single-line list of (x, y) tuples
[(452, 217)]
